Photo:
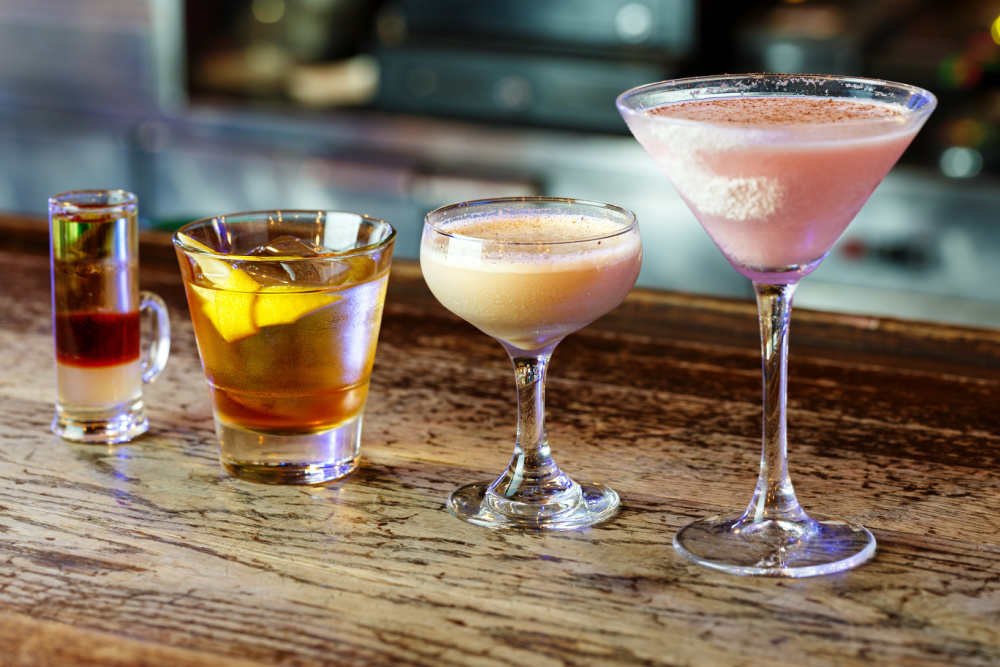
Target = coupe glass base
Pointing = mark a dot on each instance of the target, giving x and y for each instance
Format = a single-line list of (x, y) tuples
[(475, 503), (775, 548)]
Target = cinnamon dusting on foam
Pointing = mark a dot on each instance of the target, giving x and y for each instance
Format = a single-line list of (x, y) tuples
[(535, 229), (530, 242), (775, 111)]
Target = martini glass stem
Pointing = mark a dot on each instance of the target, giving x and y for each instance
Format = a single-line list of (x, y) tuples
[(774, 498), (774, 536)]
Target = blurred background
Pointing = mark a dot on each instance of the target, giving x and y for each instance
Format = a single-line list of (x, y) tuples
[(395, 107)]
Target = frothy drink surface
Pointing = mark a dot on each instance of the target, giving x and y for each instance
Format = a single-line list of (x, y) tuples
[(776, 111), (534, 229), (529, 295), (774, 202)]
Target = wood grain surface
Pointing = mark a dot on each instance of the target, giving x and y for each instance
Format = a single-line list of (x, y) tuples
[(148, 554)]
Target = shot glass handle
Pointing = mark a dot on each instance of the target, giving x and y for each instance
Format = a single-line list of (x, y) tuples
[(158, 348)]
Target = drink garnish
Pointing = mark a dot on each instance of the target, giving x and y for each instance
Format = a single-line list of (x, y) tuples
[(239, 306), (215, 270), (233, 307), (282, 304)]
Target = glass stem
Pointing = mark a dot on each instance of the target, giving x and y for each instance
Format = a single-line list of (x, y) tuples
[(774, 498), (532, 475)]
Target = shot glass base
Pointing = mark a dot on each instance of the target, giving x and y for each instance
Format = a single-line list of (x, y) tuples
[(595, 504), (289, 458), (101, 426), (776, 548)]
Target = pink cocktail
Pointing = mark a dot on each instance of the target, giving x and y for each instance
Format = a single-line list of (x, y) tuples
[(775, 167)]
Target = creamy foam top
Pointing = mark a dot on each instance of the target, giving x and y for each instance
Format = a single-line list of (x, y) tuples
[(536, 243), (533, 229), (776, 111), (768, 127)]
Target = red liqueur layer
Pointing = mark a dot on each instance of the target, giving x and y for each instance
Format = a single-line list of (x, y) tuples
[(90, 340)]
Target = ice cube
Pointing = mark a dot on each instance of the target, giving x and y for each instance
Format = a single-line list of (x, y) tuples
[(357, 269), (313, 274), (288, 246)]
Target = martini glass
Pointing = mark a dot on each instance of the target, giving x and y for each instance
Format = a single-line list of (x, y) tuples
[(528, 272), (775, 167)]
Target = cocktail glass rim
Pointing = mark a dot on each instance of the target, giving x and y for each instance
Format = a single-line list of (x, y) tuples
[(440, 211), (71, 201), (921, 103), (181, 232)]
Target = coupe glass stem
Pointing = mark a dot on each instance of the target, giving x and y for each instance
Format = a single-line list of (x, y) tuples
[(532, 475), (774, 498)]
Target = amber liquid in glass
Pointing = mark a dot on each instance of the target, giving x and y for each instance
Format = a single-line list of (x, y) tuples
[(308, 375)]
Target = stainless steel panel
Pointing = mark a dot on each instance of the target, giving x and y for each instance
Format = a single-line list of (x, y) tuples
[(91, 54)]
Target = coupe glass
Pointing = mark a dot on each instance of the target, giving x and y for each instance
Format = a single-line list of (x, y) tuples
[(528, 272), (775, 166)]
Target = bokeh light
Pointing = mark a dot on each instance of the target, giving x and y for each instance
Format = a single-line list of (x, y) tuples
[(960, 162), (966, 133), (268, 11), (959, 72)]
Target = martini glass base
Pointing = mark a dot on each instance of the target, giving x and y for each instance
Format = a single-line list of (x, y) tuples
[(593, 504), (775, 548)]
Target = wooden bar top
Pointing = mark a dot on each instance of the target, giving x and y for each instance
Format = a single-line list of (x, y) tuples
[(148, 554)]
